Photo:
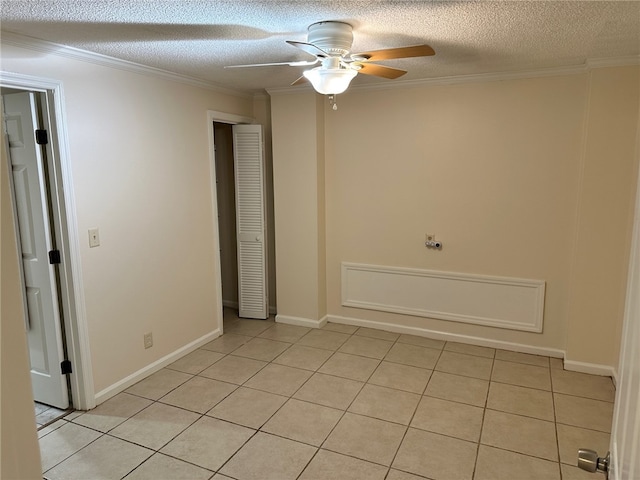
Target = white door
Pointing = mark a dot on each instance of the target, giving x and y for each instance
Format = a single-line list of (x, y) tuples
[(625, 436), (29, 175), (250, 221)]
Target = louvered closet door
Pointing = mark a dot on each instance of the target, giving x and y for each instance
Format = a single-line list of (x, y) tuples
[(250, 221)]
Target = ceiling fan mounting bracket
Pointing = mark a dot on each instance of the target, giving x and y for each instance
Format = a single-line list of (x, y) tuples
[(335, 38)]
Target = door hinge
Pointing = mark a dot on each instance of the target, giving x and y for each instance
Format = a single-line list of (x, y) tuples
[(42, 137), (54, 257), (65, 367)]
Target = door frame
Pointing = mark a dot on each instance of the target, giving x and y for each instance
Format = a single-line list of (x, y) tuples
[(221, 117), (624, 432), (65, 226)]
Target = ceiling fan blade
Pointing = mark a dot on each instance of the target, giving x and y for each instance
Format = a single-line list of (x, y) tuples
[(310, 48), (72, 30), (300, 80), (290, 64), (391, 53), (379, 70)]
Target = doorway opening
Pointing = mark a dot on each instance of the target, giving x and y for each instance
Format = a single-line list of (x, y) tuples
[(59, 347), (226, 194), (26, 127), (231, 244)]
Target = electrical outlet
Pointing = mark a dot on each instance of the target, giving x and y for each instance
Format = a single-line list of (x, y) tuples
[(148, 340), (429, 237)]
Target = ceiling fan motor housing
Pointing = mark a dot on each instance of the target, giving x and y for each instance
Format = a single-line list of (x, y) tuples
[(335, 38)]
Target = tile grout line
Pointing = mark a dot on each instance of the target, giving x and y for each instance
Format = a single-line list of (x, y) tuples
[(364, 383), (484, 413), (555, 421), (344, 412), (259, 429), (218, 470), (289, 397), (381, 360), (74, 453), (416, 409), (201, 415), (153, 401)]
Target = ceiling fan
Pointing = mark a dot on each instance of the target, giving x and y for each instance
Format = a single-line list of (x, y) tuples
[(330, 42)]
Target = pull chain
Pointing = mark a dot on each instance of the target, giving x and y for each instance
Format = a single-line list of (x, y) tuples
[(333, 102)]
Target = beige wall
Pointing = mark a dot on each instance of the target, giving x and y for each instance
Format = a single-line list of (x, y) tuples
[(298, 179), (497, 170), (139, 154), (490, 168), (607, 193), (262, 115), (20, 458)]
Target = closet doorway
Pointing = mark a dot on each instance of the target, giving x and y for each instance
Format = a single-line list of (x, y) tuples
[(236, 240), (226, 196)]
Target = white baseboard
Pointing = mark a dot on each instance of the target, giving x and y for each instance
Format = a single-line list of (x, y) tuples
[(143, 373), (301, 322), (592, 368), (234, 305), (230, 304), (450, 337)]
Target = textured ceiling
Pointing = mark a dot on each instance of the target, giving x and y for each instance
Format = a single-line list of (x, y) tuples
[(198, 38)]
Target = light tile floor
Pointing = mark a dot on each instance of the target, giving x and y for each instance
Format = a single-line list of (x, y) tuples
[(46, 414), (273, 401)]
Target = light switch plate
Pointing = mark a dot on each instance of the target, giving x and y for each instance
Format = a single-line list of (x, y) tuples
[(94, 237)]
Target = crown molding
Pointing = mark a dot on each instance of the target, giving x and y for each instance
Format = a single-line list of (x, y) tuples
[(36, 44), (479, 78), (294, 90), (51, 48), (629, 61), (589, 64), (260, 95), (449, 80)]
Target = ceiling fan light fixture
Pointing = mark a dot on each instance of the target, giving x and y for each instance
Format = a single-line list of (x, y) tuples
[(330, 81)]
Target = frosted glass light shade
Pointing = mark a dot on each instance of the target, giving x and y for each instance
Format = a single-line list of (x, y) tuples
[(330, 81)]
